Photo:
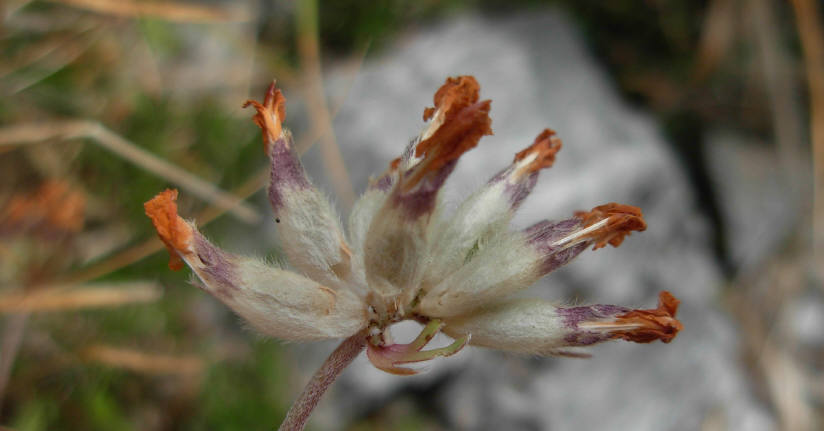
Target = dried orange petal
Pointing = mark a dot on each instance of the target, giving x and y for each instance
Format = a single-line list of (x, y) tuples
[(545, 147), (621, 221), (175, 233), (270, 114), (654, 324)]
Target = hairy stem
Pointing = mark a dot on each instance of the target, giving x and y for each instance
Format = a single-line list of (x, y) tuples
[(339, 359)]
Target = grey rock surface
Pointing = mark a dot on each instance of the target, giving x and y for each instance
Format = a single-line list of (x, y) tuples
[(539, 74), (759, 204)]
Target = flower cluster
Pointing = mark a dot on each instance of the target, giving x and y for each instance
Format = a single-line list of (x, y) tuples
[(407, 258)]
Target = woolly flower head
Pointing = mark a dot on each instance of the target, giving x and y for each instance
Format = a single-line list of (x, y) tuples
[(407, 258)]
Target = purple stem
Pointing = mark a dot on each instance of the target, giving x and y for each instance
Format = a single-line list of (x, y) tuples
[(336, 362)]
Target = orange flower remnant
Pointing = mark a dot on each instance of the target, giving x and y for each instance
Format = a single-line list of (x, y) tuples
[(653, 324), (171, 228), (618, 220)]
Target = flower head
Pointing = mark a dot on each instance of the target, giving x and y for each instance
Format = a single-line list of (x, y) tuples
[(406, 258)]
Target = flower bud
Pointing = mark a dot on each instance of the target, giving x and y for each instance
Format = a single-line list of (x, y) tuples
[(277, 302), (538, 327), (488, 211), (395, 246), (310, 231), (512, 261)]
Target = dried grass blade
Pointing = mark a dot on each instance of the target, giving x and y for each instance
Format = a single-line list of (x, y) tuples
[(142, 362), (64, 298), (170, 11), (309, 51), (811, 31)]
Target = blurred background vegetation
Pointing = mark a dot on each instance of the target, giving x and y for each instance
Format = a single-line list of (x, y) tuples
[(106, 102)]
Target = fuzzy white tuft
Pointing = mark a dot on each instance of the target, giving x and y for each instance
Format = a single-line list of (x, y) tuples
[(504, 265), (485, 214), (281, 303), (312, 237), (522, 326)]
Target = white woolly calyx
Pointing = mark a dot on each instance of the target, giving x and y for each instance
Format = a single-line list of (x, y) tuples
[(277, 302), (540, 327), (487, 212), (310, 230)]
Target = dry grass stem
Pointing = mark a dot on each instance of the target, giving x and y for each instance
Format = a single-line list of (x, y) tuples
[(787, 384), (309, 51), (716, 38), (112, 263), (166, 10), (782, 94), (94, 244), (51, 63), (808, 17), (142, 362), (36, 53), (759, 301), (74, 298), (30, 133)]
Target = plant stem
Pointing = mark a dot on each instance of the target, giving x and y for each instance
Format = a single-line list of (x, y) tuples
[(336, 362)]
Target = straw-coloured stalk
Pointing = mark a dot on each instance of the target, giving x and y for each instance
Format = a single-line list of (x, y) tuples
[(143, 362), (79, 297)]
